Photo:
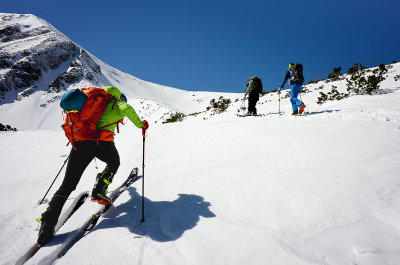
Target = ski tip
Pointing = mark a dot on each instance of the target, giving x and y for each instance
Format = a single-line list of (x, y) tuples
[(134, 172)]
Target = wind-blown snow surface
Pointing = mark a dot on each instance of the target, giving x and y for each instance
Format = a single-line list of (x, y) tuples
[(318, 189)]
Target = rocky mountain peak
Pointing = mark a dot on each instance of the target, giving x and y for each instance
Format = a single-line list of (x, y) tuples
[(31, 50)]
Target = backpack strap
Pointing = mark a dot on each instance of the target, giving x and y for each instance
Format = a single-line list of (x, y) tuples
[(117, 122), (102, 127), (115, 101), (72, 140)]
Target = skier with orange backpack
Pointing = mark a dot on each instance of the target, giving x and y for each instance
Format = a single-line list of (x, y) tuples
[(92, 116)]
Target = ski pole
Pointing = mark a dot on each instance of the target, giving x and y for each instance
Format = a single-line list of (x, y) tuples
[(242, 106), (41, 201), (279, 93), (300, 93), (144, 142)]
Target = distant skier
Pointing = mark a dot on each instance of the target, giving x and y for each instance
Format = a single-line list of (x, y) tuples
[(83, 153), (296, 79), (254, 89)]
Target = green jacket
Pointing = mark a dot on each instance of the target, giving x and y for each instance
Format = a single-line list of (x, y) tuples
[(121, 110)]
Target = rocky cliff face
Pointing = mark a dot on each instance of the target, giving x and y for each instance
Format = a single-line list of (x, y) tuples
[(82, 67), (31, 51)]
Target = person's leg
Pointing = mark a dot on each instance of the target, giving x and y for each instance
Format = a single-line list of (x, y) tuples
[(78, 161), (108, 153), (252, 105), (297, 90), (294, 93), (293, 96), (300, 105)]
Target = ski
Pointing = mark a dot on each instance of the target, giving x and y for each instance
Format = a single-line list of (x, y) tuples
[(305, 113), (79, 200), (250, 115), (72, 209), (92, 221), (29, 254)]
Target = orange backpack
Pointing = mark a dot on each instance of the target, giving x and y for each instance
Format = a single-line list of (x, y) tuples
[(80, 125)]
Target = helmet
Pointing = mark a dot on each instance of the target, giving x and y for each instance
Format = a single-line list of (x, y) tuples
[(290, 65)]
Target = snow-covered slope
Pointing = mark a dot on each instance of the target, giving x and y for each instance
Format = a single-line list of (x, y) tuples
[(221, 189), (319, 189)]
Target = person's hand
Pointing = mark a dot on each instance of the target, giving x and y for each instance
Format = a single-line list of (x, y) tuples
[(279, 90), (145, 125)]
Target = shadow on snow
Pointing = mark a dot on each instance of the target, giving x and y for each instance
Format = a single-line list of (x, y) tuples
[(164, 221)]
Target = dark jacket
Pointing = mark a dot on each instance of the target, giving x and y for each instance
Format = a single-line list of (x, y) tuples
[(251, 88)]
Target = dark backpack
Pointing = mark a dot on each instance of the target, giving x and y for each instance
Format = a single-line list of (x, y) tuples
[(84, 107), (297, 71), (258, 87)]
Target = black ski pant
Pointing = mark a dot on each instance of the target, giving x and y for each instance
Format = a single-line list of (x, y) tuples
[(79, 159), (252, 104)]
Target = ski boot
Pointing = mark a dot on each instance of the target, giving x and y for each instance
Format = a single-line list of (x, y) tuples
[(301, 108), (49, 220), (99, 191)]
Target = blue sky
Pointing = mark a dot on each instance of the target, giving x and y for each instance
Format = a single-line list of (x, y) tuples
[(213, 45)]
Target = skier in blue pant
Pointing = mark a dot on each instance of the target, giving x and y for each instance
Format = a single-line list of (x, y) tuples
[(296, 79)]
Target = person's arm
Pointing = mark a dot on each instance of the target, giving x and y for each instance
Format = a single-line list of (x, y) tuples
[(287, 76), (250, 87), (128, 111)]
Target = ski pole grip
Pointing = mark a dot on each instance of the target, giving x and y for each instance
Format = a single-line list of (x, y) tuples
[(144, 128)]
